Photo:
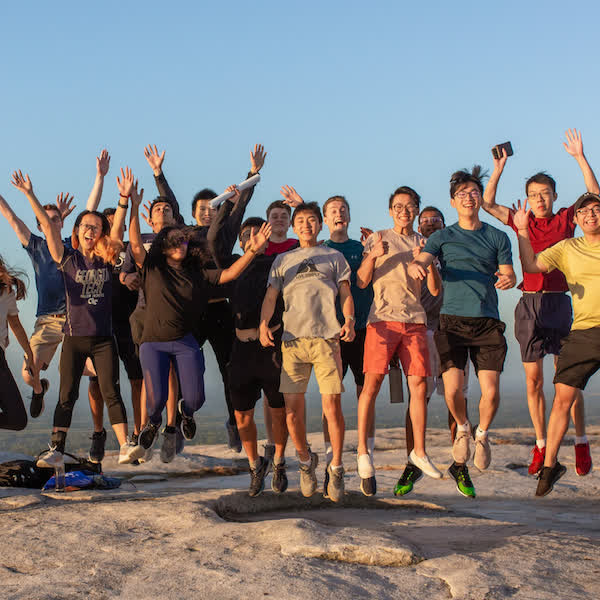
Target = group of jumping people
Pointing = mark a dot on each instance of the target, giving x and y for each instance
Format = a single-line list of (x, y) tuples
[(425, 298)]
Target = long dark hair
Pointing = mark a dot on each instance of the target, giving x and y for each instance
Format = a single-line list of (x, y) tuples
[(11, 278), (197, 254), (106, 248)]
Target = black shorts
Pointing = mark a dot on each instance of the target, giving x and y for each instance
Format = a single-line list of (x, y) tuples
[(352, 356), (128, 355), (481, 338), (579, 357), (251, 369), (542, 321)]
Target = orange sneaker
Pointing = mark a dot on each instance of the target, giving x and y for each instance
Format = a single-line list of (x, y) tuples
[(583, 460), (537, 460)]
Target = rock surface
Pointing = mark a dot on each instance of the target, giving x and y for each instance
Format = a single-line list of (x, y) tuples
[(189, 530)]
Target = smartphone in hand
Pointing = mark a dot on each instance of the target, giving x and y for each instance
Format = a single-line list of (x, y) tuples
[(497, 150)]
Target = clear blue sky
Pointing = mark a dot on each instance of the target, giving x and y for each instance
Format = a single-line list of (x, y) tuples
[(347, 98)]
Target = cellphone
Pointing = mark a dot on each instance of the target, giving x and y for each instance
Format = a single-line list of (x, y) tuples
[(497, 150), (395, 379)]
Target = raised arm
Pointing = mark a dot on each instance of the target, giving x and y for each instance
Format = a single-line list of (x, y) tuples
[(221, 236), (22, 231), (266, 314), (102, 165), (55, 245), (135, 236), (364, 275), (155, 160), (125, 184), (347, 333), (574, 146), (531, 264), (290, 196), (489, 195)]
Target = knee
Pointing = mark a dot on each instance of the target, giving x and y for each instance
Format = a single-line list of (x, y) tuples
[(243, 419), (535, 383)]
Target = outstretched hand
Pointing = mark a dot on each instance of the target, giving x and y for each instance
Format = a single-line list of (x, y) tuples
[(260, 238), (257, 158), (291, 197), (103, 163), (155, 160), (64, 204), (22, 183), (500, 162), (521, 215), (126, 183), (136, 197), (574, 144), (146, 213)]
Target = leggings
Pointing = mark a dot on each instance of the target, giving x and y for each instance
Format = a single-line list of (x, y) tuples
[(13, 415), (188, 359), (103, 352)]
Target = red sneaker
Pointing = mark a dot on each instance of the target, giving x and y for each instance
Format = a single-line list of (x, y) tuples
[(537, 462), (583, 460)]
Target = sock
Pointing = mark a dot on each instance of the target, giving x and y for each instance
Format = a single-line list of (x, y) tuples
[(278, 460), (541, 444), (480, 433), (307, 462), (328, 454), (581, 440), (464, 427), (170, 429), (336, 467), (371, 445)]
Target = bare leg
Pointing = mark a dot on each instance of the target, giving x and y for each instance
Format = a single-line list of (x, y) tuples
[(96, 404), (559, 420), (268, 420), (578, 414), (33, 382), (418, 412), (247, 429), (489, 381), (280, 432), (453, 392), (332, 408), (294, 409), (534, 376), (172, 399), (366, 409)]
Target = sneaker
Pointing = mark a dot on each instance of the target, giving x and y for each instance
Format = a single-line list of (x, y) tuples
[(233, 437), (308, 477), (366, 472), (179, 441), (36, 408), (461, 451), (130, 452), (257, 477), (583, 460), (483, 452), (148, 435), (548, 477), (326, 482), (537, 459), (96, 453), (51, 458), (405, 484), (169, 445), (279, 482), (460, 474), (335, 485), (425, 465), (187, 424)]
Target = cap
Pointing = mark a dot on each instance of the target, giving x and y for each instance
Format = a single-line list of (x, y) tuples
[(585, 198)]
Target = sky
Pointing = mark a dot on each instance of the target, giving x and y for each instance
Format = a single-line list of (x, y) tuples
[(347, 97)]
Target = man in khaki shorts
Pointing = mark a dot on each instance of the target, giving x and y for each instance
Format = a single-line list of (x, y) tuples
[(310, 278)]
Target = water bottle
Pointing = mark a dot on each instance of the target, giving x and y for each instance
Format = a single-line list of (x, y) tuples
[(59, 478)]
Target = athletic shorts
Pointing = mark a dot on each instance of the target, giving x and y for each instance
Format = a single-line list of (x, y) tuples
[(406, 340), (480, 338), (352, 356), (47, 335), (129, 358), (579, 358), (299, 356), (251, 369), (542, 321)]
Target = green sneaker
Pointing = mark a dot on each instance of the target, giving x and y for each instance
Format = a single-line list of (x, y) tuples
[(405, 484), (460, 474)]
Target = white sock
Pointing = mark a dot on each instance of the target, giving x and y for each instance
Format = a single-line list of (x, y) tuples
[(480, 433), (371, 445), (581, 440), (307, 462), (464, 427), (541, 444), (336, 467)]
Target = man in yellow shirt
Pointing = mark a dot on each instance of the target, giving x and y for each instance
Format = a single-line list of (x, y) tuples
[(579, 260)]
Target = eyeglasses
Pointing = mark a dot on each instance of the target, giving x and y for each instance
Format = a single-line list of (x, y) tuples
[(474, 194), (89, 227), (430, 220), (589, 210), (543, 195), (407, 208)]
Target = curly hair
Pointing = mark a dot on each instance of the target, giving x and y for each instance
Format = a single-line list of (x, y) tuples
[(197, 255)]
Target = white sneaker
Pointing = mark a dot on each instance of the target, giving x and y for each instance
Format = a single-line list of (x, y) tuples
[(130, 452), (50, 459), (425, 465), (461, 450)]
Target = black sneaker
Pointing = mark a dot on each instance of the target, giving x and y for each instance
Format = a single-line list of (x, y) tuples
[(368, 486), (169, 445), (405, 484), (460, 474), (279, 482), (148, 435), (257, 477), (187, 424), (547, 477), (97, 448), (36, 408), (335, 486), (326, 482)]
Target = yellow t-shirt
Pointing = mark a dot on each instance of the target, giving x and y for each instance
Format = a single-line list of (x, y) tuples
[(580, 262)]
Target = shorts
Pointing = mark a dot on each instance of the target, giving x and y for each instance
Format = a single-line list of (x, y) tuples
[(481, 338), (579, 358), (352, 356), (299, 356), (253, 368), (542, 321), (47, 335), (129, 358), (406, 340), (435, 383)]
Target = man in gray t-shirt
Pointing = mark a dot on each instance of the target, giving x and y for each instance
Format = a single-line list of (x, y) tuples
[(310, 279)]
